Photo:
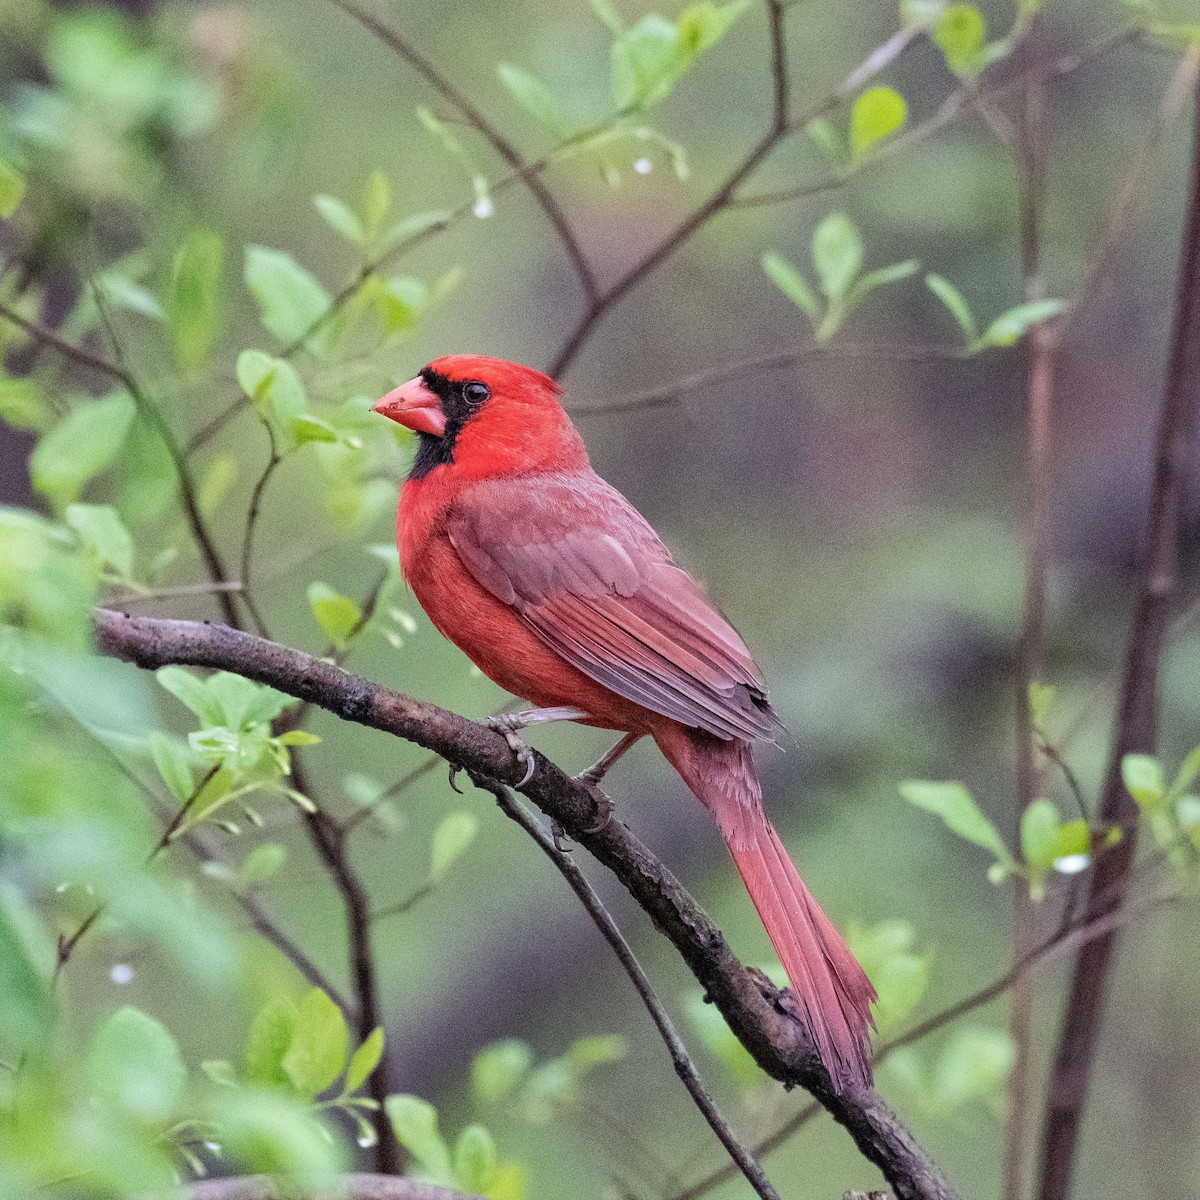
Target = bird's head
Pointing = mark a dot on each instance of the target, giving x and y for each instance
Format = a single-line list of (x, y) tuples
[(484, 416)]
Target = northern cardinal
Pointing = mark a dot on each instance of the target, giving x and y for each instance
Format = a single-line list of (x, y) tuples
[(557, 588)]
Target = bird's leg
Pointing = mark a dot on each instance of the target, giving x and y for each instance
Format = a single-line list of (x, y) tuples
[(597, 772), (507, 724)]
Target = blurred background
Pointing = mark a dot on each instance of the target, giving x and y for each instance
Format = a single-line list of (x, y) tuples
[(856, 517)]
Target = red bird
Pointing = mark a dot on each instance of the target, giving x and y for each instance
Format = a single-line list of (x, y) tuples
[(557, 588)]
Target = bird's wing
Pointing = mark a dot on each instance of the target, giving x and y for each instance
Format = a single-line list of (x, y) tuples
[(590, 577)]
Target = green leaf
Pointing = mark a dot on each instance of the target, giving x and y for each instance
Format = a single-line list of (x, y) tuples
[(792, 284), (1039, 834), (703, 25), (298, 737), (1143, 779), (363, 1061), (23, 404), (451, 838), (274, 386), (595, 1050), (645, 62), (399, 300), (415, 1123), (1188, 771), (1074, 841), (498, 1070), (191, 692), (837, 254), (410, 228), (173, 759), (103, 535), (880, 277), (957, 305), (1042, 698), (341, 218), (122, 292), (974, 1066), (338, 615), (307, 428), (876, 114), (262, 862), (319, 1045), (960, 34), (609, 16), (12, 189), (290, 300), (535, 98), (270, 1035), (955, 805), (80, 446), (195, 299), (1008, 328), (28, 1009), (271, 1134), (475, 1158), (135, 1062), (921, 14), (900, 975), (377, 200)]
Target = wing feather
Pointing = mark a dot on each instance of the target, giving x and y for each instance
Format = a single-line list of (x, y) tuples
[(591, 579)]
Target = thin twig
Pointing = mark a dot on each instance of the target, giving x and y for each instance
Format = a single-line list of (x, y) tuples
[(174, 593), (256, 496), (1137, 720), (398, 43), (668, 393), (746, 1163)]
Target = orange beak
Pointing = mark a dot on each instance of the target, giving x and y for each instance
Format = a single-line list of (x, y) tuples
[(415, 406)]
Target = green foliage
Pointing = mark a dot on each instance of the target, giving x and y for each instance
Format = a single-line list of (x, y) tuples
[(901, 976), (1005, 330), (337, 615), (80, 447), (956, 806), (971, 1071), (135, 1063), (290, 300), (536, 99), (1171, 811), (837, 254), (104, 537), (960, 34), (12, 188), (453, 835), (195, 298), (876, 115), (650, 57)]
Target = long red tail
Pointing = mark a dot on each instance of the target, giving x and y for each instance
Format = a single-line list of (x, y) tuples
[(833, 990)]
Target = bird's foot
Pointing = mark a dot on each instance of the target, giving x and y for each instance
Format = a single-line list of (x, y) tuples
[(454, 770), (506, 725), (559, 836), (604, 814)]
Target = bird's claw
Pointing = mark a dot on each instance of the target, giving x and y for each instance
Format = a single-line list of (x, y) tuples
[(454, 770), (604, 811), (559, 835), (507, 727)]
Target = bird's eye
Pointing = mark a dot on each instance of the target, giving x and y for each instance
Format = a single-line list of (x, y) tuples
[(476, 393)]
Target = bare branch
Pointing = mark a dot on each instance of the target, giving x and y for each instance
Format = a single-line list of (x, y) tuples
[(684, 1067), (762, 1017), (1137, 720)]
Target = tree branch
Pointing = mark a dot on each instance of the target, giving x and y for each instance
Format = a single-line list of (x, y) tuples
[(763, 1018), (1136, 730), (682, 1061)]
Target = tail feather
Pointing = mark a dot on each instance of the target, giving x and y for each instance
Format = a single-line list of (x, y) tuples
[(833, 990)]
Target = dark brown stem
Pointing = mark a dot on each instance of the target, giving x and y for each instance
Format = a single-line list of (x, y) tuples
[(759, 1015), (1030, 147), (256, 496), (398, 43), (1137, 719), (330, 844), (744, 1161)]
